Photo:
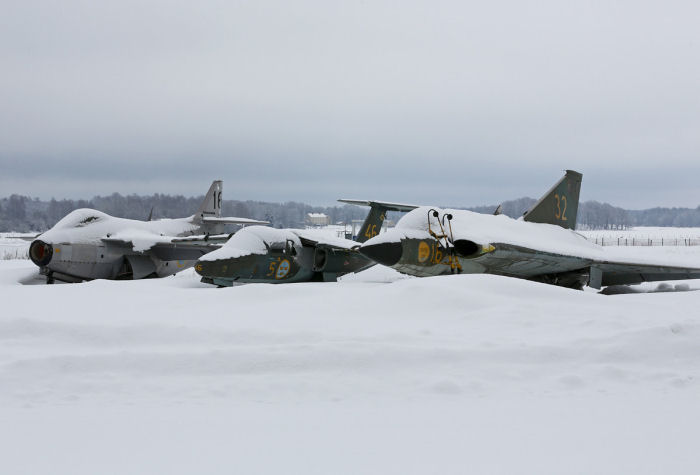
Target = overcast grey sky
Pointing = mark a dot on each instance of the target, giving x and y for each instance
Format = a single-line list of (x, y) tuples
[(459, 103)]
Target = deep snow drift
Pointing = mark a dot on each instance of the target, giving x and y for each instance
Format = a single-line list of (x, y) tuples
[(378, 373)]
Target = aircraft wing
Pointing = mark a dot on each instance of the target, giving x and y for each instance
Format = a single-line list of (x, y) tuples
[(182, 251), (611, 267), (520, 261), (246, 221), (168, 248), (23, 237), (316, 238), (117, 242), (617, 273), (381, 204), (204, 239)]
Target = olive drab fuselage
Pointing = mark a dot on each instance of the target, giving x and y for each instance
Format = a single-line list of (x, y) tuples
[(293, 255), (541, 246), (283, 264)]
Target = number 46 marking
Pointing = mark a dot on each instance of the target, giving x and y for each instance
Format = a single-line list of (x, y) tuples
[(371, 231)]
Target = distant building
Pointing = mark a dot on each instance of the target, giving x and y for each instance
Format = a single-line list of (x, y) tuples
[(317, 219)]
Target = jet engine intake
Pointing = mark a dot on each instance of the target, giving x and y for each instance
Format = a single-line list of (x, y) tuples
[(469, 249), (320, 259), (40, 253), (337, 261)]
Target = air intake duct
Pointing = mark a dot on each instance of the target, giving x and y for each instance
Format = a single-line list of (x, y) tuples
[(469, 249)]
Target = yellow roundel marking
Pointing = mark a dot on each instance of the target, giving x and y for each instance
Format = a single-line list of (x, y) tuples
[(282, 269), (198, 267), (423, 251)]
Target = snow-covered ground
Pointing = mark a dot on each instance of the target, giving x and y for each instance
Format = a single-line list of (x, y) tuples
[(11, 248), (377, 373)]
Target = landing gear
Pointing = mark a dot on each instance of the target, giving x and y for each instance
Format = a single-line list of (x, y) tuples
[(572, 280), (50, 279)]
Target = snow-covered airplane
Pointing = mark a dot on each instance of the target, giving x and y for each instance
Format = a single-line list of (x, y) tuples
[(541, 246), (89, 244), (262, 254)]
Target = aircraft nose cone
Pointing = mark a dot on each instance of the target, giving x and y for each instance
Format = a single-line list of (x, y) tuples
[(203, 268), (386, 253), (40, 253)]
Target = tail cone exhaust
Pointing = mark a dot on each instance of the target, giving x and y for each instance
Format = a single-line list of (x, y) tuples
[(40, 253)]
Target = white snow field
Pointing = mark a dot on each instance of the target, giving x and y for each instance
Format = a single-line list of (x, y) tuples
[(12, 248), (378, 373)]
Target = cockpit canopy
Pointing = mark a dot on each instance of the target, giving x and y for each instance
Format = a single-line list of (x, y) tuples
[(261, 239), (81, 218)]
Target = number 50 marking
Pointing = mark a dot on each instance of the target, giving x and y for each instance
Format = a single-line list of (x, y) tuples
[(560, 213)]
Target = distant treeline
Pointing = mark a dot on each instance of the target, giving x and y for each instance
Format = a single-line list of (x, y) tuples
[(595, 215), (24, 214)]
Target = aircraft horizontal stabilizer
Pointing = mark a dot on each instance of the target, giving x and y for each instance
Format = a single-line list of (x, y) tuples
[(212, 220), (381, 204), (305, 241)]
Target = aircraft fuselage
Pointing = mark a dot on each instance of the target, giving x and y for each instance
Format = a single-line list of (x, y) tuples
[(266, 255)]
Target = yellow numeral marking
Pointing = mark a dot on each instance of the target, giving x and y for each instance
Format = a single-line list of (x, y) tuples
[(437, 254), (560, 213), (371, 231)]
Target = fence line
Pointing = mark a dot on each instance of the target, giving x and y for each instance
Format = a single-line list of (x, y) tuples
[(8, 255), (635, 241)]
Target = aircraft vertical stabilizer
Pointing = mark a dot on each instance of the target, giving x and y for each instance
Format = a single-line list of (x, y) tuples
[(211, 206), (375, 218), (560, 204)]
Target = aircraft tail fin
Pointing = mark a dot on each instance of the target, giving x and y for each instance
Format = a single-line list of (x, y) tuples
[(375, 217), (211, 206), (560, 204)]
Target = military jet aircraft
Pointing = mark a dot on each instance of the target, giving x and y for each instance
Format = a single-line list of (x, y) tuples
[(541, 246), (89, 244), (263, 254)]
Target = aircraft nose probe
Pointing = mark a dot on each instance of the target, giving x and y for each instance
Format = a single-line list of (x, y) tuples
[(40, 253)]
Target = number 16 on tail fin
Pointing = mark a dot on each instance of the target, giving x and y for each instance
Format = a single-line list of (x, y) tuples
[(211, 205)]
